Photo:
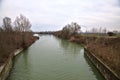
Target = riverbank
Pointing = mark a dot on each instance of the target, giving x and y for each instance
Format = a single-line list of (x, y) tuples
[(105, 48), (6, 66), (61, 60)]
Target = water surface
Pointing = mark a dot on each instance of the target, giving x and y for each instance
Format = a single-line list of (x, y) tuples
[(51, 58)]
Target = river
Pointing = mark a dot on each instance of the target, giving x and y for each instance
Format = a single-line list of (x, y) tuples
[(51, 58)]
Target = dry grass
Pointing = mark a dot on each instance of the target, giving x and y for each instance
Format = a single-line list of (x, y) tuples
[(10, 41), (107, 50)]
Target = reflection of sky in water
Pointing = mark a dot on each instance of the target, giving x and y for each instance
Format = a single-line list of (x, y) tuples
[(72, 48), (54, 14), (51, 58)]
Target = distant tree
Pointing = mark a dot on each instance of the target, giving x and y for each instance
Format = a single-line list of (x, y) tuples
[(100, 30), (104, 30), (1, 29), (94, 30), (115, 31), (22, 24), (75, 28), (111, 34), (7, 24), (71, 29)]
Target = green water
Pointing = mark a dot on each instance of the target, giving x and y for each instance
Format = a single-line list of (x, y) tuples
[(51, 58)]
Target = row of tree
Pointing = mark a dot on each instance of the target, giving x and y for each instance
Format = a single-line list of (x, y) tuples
[(21, 24), (70, 29), (73, 29), (97, 30), (14, 36)]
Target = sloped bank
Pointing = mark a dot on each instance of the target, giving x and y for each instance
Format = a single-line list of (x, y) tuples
[(103, 53), (103, 69), (105, 50), (5, 68)]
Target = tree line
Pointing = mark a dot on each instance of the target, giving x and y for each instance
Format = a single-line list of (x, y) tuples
[(69, 30), (21, 24), (14, 35)]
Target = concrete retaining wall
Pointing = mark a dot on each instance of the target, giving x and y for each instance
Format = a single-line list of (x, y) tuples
[(104, 69), (5, 68)]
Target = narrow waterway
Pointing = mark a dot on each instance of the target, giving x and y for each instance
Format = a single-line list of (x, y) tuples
[(51, 58)]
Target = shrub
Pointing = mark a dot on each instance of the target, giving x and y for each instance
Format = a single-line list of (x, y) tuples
[(111, 34)]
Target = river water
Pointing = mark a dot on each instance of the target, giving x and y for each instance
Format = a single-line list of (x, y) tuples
[(51, 58)]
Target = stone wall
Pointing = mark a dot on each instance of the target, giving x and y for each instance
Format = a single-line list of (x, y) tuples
[(6, 68), (103, 69)]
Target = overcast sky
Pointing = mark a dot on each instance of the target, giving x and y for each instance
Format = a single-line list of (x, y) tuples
[(54, 14)]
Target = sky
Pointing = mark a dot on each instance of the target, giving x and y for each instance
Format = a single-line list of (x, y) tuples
[(55, 14)]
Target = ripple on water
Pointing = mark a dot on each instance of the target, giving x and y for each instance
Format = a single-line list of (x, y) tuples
[(51, 58)]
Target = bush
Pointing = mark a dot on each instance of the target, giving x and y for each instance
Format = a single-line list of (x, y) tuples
[(111, 34), (70, 30), (14, 37)]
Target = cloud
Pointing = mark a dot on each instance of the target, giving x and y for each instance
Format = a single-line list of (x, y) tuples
[(60, 12)]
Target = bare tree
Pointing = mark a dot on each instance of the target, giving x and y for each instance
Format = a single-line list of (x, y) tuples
[(100, 30), (1, 29), (70, 29), (22, 24), (104, 30), (7, 24), (94, 30)]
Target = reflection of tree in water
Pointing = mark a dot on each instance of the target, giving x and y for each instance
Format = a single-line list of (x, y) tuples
[(95, 71), (26, 61), (64, 44), (25, 57), (70, 47)]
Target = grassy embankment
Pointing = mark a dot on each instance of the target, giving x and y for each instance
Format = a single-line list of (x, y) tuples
[(10, 41), (15, 36), (106, 48)]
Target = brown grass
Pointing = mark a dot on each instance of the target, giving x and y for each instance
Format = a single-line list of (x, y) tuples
[(10, 41), (107, 50)]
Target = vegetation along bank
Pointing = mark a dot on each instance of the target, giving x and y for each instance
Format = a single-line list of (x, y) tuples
[(105, 48), (13, 37)]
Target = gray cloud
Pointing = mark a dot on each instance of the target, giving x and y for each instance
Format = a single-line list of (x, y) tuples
[(118, 3), (60, 12)]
